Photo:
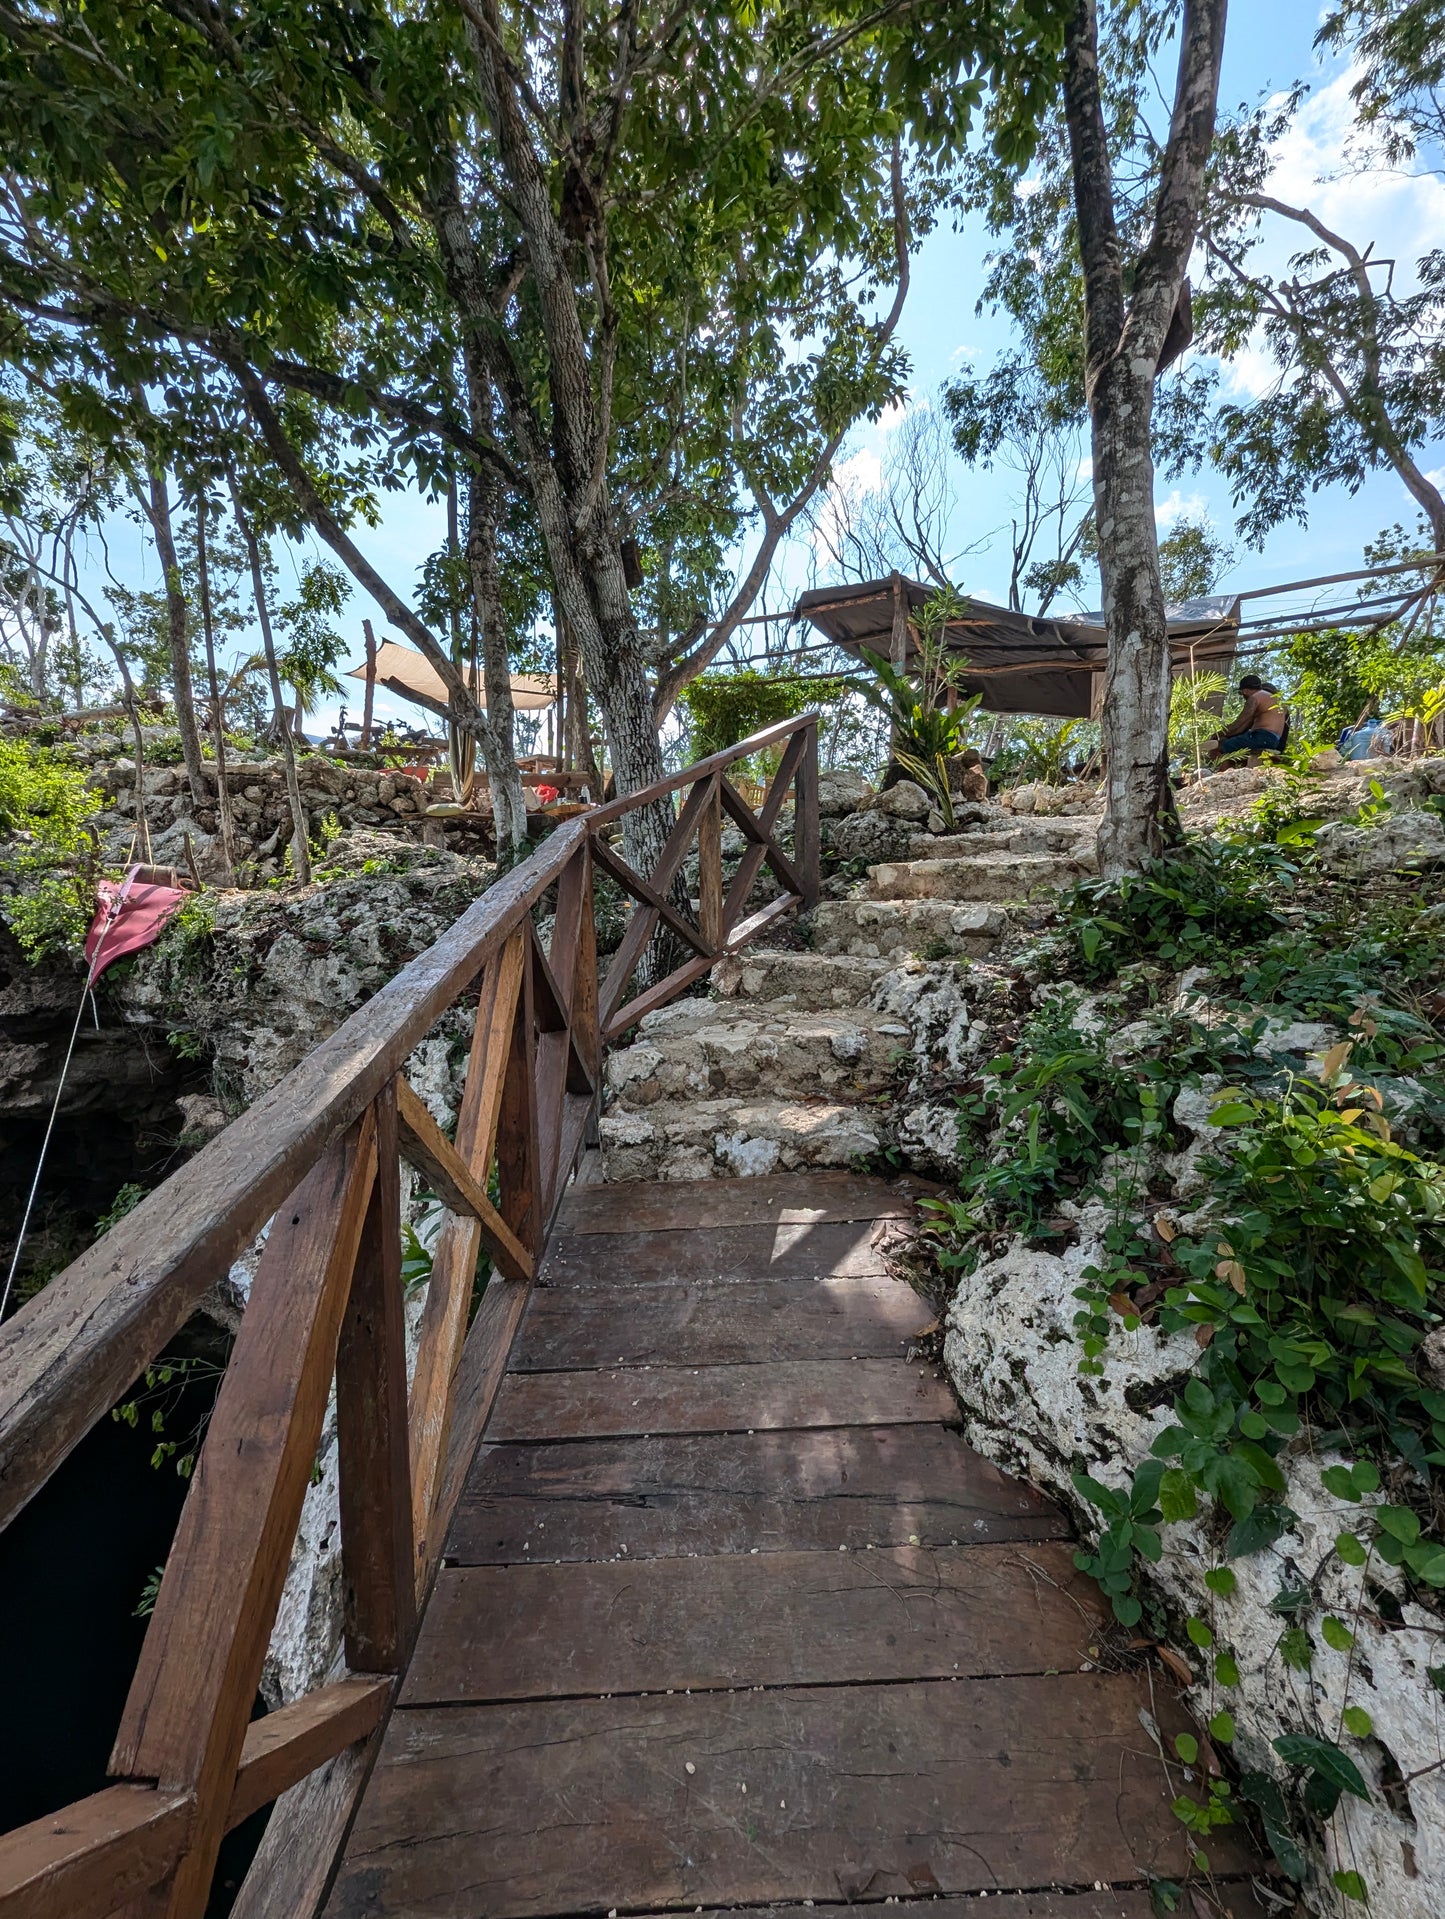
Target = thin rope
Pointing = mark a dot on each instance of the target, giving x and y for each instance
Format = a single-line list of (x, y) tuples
[(85, 993)]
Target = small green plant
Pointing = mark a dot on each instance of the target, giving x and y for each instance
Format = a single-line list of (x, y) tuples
[(1183, 908), (46, 809), (926, 732), (163, 1390)]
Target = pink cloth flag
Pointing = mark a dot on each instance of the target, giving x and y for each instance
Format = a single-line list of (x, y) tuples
[(128, 917)]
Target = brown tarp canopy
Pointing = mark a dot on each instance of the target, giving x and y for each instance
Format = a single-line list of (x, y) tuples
[(1017, 664), (401, 669)]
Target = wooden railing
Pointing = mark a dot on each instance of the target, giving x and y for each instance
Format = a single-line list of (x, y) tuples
[(318, 1157)]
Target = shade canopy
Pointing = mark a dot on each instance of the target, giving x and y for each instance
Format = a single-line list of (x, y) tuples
[(404, 671), (1016, 663)]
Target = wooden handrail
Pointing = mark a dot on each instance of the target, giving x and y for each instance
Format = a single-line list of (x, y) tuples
[(318, 1157)]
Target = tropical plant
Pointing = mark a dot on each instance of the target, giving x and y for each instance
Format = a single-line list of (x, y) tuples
[(925, 734), (1045, 749), (1194, 710)]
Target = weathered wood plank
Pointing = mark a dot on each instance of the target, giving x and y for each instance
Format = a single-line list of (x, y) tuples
[(1116, 1902), (500, 1012), (634, 1206), (778, 1492), (286, 1745), (766, 1619), (95, 1856), (474, 1391), (291, 1872), (769, 1396), (187, 1713), (608, 1262), (374, 1457), (67, 1356), (872, 1791), (719, 1322)]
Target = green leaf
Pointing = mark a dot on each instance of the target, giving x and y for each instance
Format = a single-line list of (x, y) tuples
[(1226, 1669), (1399, 1522), (1324, 1757), (1221, 1727), (1351, 1885), (1187, 1747), (1427, 1562), (1219, 1579), (1350, 1549), (1231, 1113), (1290, 1599), (1340, 1480), (1336, 1633), (1357, 1722), (1177, 1498), (1263, 1791), (1199, 1633), (1262, 1528), (1296, 1649)]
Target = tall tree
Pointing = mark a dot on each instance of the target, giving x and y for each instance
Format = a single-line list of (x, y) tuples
[(1357, 339), (560, 205), (1127, 326)]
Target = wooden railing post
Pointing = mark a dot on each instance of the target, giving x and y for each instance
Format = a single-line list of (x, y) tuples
[(373, 1451), (186, 1717), (806, 846), (709, 868)]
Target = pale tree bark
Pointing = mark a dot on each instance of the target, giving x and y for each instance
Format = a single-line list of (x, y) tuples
[(566, 466), (300, 843), (509, 810), (156, 504), (218, 711), (369, 701), (1125, 335)]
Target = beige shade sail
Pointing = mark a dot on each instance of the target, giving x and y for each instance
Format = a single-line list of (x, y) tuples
[(404, 671)]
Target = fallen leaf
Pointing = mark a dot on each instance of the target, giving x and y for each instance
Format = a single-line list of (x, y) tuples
[(1334, 1059), (1231, 1270), (1122, 1304), (1203, 1335), (922, 1877), (929, 1330), (1176, 1665), (1166, 1229)]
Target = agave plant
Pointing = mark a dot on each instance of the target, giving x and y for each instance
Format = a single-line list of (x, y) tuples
[(925, 734)]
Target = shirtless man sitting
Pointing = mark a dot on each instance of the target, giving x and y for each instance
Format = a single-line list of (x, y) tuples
[(1259, 728)]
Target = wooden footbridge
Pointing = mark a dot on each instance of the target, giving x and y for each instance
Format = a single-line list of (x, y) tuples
[(669, 1581)]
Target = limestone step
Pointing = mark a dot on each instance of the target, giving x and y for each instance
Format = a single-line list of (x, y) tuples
[(986, 876), (704, 1049), (1028, 836), (732, 1138), (799, 979), (899, 929)]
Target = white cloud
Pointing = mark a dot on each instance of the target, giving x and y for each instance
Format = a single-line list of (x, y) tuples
[(894, 414), (1400, 216), (1085, 469), (1181, 506), (861, 472)]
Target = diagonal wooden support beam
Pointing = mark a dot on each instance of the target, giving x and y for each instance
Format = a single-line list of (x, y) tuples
[(632, 883), (425, 1146)]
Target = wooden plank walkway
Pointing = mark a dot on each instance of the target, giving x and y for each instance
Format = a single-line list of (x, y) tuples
[(729, 1616)]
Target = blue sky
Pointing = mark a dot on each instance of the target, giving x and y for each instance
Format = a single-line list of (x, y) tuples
[(1267, 47)]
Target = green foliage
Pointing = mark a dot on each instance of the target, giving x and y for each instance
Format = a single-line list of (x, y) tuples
[(1183, 908), (725, 707), (926, 734), (1044, 749), (45, 807), (1195, 703), (167, 1389)]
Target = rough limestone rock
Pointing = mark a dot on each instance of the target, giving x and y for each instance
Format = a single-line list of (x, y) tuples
[(841, 792), (1398, 841), (1012, 1353), (868, 836), (982, 876), (899, 929), (795, 979), (732, 1138), (905, 801), (271, 973), (701, 1049), (1036, 797), (932, 1002)]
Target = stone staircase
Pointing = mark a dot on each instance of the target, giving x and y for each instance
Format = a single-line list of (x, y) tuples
[(789, 1063)]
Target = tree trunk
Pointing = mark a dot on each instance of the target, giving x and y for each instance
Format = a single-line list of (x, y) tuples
[(178, 632), (1139, 814), (218, 714), (1124, 340), (369, 702), (300, 844), (509, 809)]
